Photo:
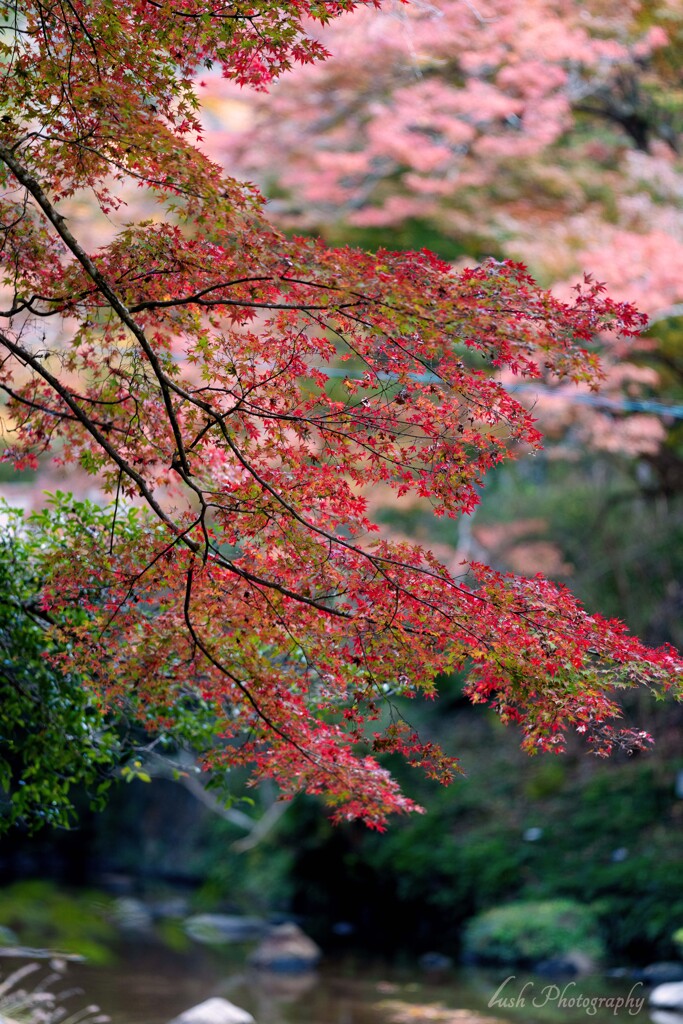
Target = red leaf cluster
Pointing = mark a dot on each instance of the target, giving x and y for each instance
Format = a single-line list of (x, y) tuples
[(244, 390)]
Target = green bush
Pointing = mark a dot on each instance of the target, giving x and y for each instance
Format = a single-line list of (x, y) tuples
[(528, 931), (40, 914)]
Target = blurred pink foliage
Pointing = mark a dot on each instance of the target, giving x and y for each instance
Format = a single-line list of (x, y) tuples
[(511, 126), (426, 100)]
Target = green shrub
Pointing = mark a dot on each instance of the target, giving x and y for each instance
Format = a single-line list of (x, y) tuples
[(42, 915), (529, 931)]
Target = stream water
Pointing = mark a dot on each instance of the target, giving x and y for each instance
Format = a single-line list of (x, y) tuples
[(150, 985)]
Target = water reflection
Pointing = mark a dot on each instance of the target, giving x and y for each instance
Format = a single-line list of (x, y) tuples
[(151, 985)]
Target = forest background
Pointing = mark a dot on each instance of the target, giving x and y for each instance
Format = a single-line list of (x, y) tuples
[(549, 134)]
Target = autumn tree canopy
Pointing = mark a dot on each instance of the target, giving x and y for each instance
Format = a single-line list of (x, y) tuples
[(550, 134), (524, 127), (234, 393)]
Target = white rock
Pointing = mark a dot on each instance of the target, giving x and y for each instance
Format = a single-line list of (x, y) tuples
[(216, 928), (131, 915), (286, 948), (665, 1017), (668, 996), (214, 1011)]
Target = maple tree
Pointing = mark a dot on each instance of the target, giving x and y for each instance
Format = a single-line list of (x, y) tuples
[(192, 365), (549, 134), (487, 122)]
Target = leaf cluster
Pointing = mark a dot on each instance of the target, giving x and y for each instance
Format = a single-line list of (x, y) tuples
[(236, 580), (54, 734)]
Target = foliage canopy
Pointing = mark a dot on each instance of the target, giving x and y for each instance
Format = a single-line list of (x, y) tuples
[(191, 364)]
